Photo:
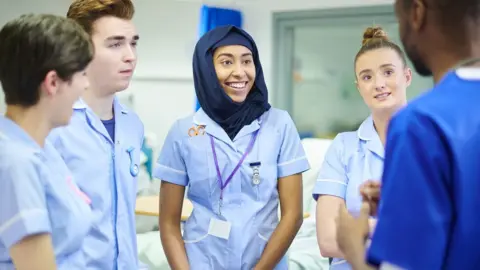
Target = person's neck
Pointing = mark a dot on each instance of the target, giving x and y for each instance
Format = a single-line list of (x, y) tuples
[(32, 121), (445, 61), (101, 105), (380, 122)]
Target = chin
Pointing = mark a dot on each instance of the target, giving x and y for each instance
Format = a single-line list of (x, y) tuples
[(121, 87), (418, 63), (238, 99), (121, 90), (387, 108)]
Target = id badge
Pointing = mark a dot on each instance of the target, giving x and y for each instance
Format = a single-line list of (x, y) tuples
[(219, 228)]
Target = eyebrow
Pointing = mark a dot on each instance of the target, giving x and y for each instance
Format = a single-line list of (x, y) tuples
[(122, 38), (382, 66), (231, 55)]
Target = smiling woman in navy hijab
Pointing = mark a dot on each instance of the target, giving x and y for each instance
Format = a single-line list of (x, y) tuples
[(240, 159)]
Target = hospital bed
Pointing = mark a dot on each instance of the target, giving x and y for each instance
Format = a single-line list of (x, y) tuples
[(303, 253)]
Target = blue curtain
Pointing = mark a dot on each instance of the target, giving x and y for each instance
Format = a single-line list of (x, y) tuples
[(211, 17)]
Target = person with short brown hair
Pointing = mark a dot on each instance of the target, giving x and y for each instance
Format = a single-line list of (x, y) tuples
[(44, 216), (102, 145)]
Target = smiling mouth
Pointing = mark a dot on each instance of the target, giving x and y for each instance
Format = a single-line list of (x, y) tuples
[(382, 95), (237, 85)]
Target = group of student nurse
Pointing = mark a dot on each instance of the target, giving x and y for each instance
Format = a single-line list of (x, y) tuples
[(68, 177)]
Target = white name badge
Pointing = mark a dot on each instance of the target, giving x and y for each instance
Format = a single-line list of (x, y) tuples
[(219, 228)]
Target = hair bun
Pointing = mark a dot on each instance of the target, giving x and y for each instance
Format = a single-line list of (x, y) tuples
[(374, 33)]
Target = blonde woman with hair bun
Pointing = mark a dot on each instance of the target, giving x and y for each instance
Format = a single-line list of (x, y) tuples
[(354, 158)]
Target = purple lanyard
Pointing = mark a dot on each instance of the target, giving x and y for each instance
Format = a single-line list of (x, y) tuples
[(219, 175)]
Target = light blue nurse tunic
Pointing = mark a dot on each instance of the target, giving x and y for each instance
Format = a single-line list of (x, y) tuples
[(352, 158), (38, 195), (250, 208), (107, 171)]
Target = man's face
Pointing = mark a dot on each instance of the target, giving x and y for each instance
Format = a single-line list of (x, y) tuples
[(115, 41), (413, 41)]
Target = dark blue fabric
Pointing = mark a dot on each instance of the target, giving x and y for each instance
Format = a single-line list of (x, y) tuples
[(230, 115), (110, 126), (431, 181), (212, 17)]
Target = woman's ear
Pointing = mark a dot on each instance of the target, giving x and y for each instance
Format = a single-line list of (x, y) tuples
[(408, 76)]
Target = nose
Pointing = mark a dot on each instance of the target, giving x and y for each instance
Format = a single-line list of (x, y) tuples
[(130, 54), (379, 83), (238, 71)]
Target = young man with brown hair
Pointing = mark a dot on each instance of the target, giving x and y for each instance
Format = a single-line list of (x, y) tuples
[(102, 144)]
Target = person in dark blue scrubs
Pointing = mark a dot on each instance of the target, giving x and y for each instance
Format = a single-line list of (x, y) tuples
[(430, 195)]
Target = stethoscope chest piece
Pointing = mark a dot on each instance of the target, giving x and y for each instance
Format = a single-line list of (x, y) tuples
[(256, 172), (134, 170), (133, 167), (256, 179)]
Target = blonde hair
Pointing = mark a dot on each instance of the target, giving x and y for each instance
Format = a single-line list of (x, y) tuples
[(374, 34), (376, 38)]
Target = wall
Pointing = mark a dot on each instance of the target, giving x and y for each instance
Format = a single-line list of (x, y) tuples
[(163, 84)]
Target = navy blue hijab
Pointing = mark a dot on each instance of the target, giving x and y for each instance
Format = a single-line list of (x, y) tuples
[(230, 115)]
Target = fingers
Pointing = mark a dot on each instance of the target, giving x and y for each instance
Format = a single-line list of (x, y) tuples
[(370, 190), (371, 193), (364, 211)]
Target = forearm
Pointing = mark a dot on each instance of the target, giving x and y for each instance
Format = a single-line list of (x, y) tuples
[(174, 247), (280, 241), (356, 258), (34, 252), (331, 250)]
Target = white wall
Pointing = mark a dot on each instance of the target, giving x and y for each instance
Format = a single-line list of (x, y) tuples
[(163, 86)]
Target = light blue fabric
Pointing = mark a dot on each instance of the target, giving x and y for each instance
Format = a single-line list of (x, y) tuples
[(251, 209), (352, 159), (103, 169), (212, 17), (38, 195)]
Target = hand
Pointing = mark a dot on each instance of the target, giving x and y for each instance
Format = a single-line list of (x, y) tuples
[(370, 192), (352, 232)]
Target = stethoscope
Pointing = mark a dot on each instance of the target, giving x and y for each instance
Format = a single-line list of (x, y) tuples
[(133, 167), (256, 165)]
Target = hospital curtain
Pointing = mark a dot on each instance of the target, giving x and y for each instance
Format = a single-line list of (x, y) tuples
[(211, 17)]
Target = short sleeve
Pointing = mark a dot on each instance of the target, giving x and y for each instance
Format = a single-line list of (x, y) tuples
[(170, 166), (332, 179), (292, 158), (23, 200), (415, 209)]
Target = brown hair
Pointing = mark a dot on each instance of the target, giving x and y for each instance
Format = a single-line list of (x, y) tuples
[(33, 45), (376, 38), (86, 12)]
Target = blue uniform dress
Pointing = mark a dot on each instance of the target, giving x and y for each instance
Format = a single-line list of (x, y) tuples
[(38, 195), (107, 171), (251, 208), (428, 215), (352, 159)]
